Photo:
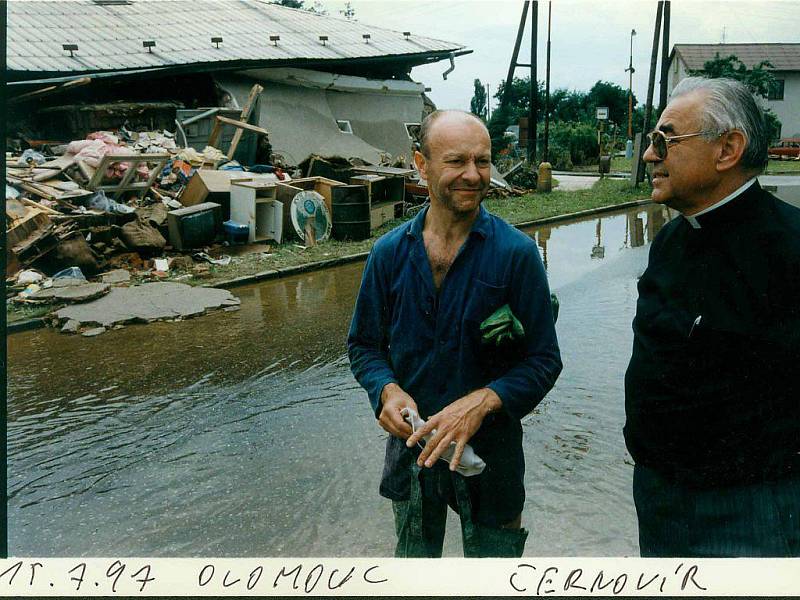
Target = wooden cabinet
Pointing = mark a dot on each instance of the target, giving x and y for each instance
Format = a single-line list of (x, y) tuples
[(254, 203)]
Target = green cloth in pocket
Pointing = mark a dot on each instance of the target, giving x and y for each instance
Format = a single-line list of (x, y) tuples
[(501, 326)]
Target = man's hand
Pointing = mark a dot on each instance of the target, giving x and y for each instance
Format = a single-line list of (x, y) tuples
[(394, 399), (457, 423)]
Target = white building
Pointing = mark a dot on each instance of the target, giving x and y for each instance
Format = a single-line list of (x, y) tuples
[(785, 59)]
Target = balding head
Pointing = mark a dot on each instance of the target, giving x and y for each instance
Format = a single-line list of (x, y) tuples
[(455, 159), (443, 118)]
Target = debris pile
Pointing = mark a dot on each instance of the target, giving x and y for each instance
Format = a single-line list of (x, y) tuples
[(125, 208)]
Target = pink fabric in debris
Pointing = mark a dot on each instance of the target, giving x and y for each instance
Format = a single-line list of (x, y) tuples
[(96, 146)]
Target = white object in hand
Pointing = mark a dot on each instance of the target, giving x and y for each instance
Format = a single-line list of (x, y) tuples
[(470, 463)]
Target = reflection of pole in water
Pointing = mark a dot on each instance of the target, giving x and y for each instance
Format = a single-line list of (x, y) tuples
[(598, 251), (636, 228), (655, 221), (542, 235)]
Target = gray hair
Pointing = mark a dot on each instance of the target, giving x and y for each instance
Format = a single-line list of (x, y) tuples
[(730, 105), (427, 123)]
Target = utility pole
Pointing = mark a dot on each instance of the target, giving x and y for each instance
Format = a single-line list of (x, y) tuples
[(533, 102), (547, 88), (662, 98), (648, 109), (630, 70), (533, 115), (488, 103), (513, 64)]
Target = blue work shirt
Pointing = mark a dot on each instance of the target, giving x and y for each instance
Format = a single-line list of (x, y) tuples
[(403, 331)]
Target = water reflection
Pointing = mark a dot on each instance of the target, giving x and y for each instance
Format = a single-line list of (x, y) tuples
[(624, 229), (244, 433)]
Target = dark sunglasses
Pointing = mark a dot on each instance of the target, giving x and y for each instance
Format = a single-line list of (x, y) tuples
[(661, 141)]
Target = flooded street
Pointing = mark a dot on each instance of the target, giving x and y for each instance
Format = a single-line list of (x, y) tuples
[(244, 433)]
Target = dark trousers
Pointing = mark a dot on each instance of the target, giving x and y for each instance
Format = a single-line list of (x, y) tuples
[(420, 521), (760, 519)]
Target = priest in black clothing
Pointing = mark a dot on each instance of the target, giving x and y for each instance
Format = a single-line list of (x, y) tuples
[(712, 391)]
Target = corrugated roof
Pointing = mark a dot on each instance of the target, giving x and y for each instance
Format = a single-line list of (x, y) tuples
[(784, 57), (109, 37)]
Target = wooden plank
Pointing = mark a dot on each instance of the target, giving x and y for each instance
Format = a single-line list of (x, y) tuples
[(245, 116), (86, 170), (215, 133), (41, 207), (242, 125)]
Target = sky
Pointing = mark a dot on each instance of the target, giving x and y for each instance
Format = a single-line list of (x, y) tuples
[(590, 40)]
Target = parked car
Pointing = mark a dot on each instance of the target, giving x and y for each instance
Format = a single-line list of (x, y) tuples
[(785, 148)]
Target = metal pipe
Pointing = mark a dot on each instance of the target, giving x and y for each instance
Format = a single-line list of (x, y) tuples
[(201, 116), (452, 66)]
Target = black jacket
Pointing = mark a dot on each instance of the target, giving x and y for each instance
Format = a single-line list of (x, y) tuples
[(712, 391)]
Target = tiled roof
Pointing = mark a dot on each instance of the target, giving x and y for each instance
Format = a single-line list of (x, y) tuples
[(109, 36), (784, 57)]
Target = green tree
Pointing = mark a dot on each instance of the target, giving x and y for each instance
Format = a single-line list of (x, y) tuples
[(519, 97), (605, 93), (566, 105), (759, 80), (478, 103)]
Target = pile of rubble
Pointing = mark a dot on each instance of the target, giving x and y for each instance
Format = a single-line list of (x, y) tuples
[(127, 208)]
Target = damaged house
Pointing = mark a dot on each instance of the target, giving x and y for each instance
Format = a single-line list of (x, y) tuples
[(331, 86), (146, 138)]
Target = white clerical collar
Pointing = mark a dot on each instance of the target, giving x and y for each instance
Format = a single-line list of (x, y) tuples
[(693, 219)]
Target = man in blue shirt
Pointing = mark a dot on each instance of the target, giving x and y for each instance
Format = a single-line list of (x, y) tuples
[(415, 341)]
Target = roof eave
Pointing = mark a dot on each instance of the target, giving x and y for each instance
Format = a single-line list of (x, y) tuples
[(405, 61)]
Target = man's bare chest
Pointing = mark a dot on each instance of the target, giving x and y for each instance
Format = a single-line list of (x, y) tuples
[(441, 258)]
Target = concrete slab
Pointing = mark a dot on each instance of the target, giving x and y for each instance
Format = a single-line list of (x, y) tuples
[(71, 293), (147, 303), (116, 276)]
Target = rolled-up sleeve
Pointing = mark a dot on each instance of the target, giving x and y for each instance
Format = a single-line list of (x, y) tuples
[(526, 383), (367, 341)]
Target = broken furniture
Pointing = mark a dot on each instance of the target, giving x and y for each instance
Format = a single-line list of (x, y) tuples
[(255, 204), (194, 226), (386, 195), (155, 162), (207, 185)]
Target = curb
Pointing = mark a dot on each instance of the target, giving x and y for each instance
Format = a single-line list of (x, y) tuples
[(333, 262), (26, 325), (342, 260), (289, 271), (612, 175)]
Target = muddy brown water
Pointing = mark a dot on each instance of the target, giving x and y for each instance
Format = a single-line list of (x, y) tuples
[(244, 433)]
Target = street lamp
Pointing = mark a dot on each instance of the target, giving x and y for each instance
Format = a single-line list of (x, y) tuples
[(630, 70)]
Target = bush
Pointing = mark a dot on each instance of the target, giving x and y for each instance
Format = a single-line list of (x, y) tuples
[(559, 157), (578, 139)]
